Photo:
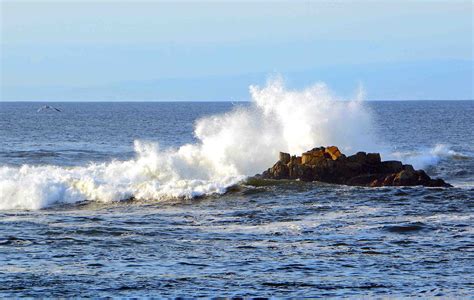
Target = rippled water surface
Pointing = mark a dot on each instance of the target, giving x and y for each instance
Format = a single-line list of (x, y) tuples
[(261, 238)]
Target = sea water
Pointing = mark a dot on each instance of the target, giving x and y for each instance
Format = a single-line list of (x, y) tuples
[(152, 199)]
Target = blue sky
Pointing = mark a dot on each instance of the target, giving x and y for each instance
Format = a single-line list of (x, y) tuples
[(195, 50)]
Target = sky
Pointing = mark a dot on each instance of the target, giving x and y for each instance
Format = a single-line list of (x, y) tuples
[(213, 50)]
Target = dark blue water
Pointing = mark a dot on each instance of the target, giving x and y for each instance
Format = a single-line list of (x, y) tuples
[(287, 239), (85, 132)]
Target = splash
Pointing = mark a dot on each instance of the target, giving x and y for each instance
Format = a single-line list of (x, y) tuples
[(426, 157), (230, 147)]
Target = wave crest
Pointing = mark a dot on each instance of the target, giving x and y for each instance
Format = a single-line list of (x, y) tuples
[(426, 157)]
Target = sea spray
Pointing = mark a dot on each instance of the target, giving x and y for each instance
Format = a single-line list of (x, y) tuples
[(427, 156), (230, 147)]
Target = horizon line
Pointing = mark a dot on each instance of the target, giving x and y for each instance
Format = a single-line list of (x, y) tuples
[(204, 101)]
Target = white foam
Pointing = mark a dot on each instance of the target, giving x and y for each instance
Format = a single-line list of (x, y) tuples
[(425, 157), (230, 146)]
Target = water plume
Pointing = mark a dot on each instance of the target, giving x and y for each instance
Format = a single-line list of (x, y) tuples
[(230, 146)]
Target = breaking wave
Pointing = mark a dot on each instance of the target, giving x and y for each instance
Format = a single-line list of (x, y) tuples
[(426, 157), (230, 146)]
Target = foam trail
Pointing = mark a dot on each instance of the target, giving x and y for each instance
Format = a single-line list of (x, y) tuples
[(230, 146)]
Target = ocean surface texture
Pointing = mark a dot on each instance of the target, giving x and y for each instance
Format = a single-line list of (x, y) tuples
[(151, 199)]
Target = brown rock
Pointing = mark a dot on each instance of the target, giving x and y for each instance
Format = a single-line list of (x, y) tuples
[(437, 183), (284, 157), (388, 180), (405, 177), (295, 160), (307, 173), (422, 176), (280, 171), (306, 158), (364, 179), (373, 158), (390, 166), (359, 157), (333, 151), (312, 156), (331, 166)]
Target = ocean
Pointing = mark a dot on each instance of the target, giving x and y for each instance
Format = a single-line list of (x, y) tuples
[(152, 199)]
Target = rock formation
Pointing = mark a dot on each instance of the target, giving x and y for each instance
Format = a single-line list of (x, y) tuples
[(361, 169)]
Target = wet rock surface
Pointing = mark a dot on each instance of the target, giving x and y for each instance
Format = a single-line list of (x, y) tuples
[(328, 164)]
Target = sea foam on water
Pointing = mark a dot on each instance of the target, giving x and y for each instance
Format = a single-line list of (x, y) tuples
[(230, 146)]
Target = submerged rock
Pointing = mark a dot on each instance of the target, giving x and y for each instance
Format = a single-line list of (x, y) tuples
[(361, 169)]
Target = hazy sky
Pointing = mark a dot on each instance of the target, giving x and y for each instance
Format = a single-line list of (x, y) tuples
[(195, 50)]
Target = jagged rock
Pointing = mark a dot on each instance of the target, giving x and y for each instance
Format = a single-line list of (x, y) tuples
[(313, 156), (362, 169), (373, 158), (405, 177), (391, 166), (284, 157), (334, 152)]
